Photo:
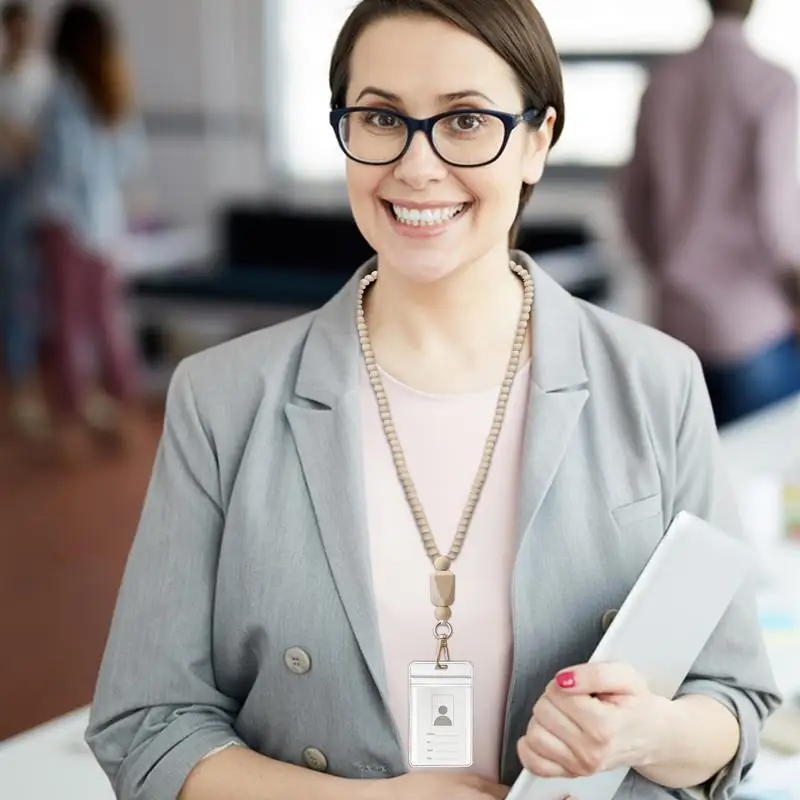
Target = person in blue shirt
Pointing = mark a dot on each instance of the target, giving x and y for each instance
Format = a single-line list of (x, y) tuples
[(24, 86), (90, 144)]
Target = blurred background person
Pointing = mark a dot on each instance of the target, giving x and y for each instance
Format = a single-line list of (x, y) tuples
[(91, 145), (24, 84), (711, 200)]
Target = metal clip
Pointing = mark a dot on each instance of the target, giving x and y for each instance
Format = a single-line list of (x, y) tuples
[(443, 649)]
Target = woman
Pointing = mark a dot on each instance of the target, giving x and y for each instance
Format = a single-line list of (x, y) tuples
[(277, 589), (90, 145)]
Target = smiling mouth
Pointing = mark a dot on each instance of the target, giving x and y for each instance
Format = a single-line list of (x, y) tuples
[(426, 217)]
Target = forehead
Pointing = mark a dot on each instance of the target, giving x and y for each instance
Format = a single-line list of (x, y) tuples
[(420, 58)]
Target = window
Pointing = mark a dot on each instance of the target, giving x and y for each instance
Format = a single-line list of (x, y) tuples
[(592, 136), (623, 26), (773, 31), (308, 29)]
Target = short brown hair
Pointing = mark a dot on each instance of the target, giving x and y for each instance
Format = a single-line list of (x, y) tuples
[(14, 12), (740, 7), (514, 29), (86, 45)]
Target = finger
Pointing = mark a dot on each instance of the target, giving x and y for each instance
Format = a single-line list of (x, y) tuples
[(539, 765), (591, 716), (601, 678), (543, 744), (555, 720), (581, 710), (600, 724)]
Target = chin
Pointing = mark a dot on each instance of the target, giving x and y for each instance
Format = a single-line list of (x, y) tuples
[(418, 267), (420, 255)]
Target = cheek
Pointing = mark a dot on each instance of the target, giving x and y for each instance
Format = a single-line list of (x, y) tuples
[(363, 183), (498, 192)]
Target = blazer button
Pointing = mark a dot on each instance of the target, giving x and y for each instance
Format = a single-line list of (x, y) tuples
[(608, 618), (297, 660), (315, 759)]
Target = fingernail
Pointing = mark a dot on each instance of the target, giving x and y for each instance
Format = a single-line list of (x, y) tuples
[(566, 680)]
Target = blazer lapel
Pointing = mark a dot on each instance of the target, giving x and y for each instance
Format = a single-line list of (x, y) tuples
[(551, 423), (325, 423), (327, 442), (559, 391)]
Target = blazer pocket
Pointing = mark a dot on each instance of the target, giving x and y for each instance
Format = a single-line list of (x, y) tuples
[(638, 510)]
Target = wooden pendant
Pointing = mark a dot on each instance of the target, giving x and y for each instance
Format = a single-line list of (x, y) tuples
[(443, 588)]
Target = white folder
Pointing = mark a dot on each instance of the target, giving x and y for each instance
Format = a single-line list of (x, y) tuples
[(660, 630)]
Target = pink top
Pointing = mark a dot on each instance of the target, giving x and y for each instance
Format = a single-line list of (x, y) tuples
[(443, 439), (711, 197)]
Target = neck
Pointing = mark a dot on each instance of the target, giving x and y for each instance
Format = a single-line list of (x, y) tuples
[(451, 335)]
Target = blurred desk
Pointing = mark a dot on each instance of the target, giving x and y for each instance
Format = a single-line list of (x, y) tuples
[(767, 442), (52, 762), (760, 454), (149, 252)]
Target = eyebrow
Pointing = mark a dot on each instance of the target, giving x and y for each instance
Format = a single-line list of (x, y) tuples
[(442, 98)]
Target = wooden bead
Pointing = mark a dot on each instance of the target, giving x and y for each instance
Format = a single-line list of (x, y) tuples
[(441, 563), (443, 588), (443, 613)]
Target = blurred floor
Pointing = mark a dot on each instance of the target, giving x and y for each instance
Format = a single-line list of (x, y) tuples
[(64, 537)]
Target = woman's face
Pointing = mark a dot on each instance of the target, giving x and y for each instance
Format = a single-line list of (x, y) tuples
[(422, 66)]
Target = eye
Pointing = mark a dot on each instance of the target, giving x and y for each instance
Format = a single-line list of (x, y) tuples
[(380, 119), (468, 123)]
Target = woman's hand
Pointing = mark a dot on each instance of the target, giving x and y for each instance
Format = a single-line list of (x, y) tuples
[(436, 785), (593, 718)]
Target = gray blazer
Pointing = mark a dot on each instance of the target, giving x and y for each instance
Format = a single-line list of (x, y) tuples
[(246, 611)]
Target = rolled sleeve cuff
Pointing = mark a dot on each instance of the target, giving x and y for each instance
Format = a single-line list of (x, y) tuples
[(230, 743), (161, 769), (724, 784)]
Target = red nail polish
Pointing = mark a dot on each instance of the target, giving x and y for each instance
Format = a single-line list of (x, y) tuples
[(566, 680)]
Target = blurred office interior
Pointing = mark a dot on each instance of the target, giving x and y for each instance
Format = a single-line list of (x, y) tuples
[(242, 220)]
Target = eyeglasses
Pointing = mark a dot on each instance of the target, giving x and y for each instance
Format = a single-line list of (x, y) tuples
[(463, 138)]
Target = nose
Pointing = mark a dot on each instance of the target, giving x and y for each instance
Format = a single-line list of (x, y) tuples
[(420, 165)]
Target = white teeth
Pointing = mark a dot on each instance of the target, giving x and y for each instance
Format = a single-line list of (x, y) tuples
[(426, 216)]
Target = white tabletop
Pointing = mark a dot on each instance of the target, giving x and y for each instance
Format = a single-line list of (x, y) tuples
[(52, 762), (768, 440), (761, 454)]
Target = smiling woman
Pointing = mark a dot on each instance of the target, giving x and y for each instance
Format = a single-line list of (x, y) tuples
[(289, 609)]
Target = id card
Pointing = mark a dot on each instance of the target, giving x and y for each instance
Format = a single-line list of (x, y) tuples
[(440, 714)]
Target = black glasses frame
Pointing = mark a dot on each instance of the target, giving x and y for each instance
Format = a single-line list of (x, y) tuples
[(413, 124)]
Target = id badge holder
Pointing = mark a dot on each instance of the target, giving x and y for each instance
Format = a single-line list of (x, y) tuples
[(440, 714)]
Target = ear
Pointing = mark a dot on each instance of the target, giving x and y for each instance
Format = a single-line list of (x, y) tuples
[(537, 147)]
